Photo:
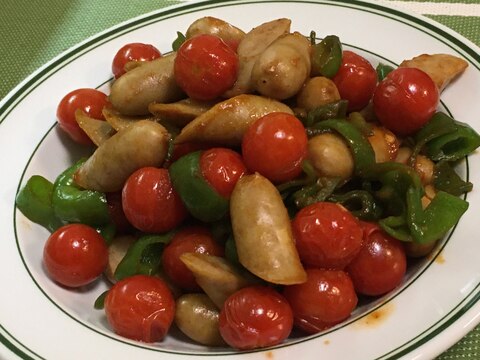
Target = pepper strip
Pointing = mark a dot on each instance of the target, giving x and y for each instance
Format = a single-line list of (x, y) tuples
[(73, 204), (34, 200), (334, 110), (326, 56)]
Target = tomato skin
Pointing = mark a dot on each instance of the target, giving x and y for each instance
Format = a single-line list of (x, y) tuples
[(150, 203), (275, 146), (405, 100), (91, 101), (355, 80), (380, 265), (193, 239), (222, 168), (133, 52), (326, 235), (75, 255), (255, 317), (205, 67), (141, 308), (325, 299)]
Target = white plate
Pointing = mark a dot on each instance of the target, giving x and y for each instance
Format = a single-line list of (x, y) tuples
[(437, 305)]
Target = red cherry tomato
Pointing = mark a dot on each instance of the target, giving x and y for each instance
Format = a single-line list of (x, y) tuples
[(222, 168), (405, 100), (205, 67), (90, 101), (117, 215), (255, 317), (275, 145), (380, 265), (75, 255), (133, 52), (355, 80), (325, 299), (141, 308), (150, 203), (326, 235), (191, 239)]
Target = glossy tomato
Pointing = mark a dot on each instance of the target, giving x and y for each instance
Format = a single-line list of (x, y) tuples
[(325, 299), (275, 146), (355, 80), (133, 52), (194, 239), (140, 307), (90, 101), (326, 235), (205, 67), (222, 168), (75, 255), (405, 100), (380, 265), (150, 203), (255, 317)]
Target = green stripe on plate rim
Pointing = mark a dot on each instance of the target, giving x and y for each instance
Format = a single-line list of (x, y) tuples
[(44, 73)]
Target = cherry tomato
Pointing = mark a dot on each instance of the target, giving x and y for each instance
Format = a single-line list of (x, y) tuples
[(150, 203), (75, 255), (90, 101), (133, 52), (117, 215), (355, 80), (255, 317), (380, 265), (325, 299), (326, 235), (140, 307), (405, 100), (205, 67), (191, 239), (222, 168), (275, 146)]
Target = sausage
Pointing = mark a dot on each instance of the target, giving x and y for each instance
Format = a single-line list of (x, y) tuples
[(316, 92), (144, 143), (331, 156), (250, 48), (213, 26), (153, 81), (116, 252), (262, 232), (226, 122), (282, 69), (197, 317)]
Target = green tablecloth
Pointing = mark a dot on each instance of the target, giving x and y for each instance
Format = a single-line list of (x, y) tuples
[(34, 31)]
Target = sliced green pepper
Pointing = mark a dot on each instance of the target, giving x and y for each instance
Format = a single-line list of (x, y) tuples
[(143, 256), (446, 179), (383, 70), (199, 197), (73, 204), (178, 41), (334, 110), (327, 56), (360, 203), (34, 200)]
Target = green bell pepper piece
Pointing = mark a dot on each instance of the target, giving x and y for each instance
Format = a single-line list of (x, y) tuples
[(327, 56), (200, 198), (143, 256), (446, 179), (34, 200), (360, 203), (99, 303), (74, 204), (178, 41), (334, 110), (383, 70)]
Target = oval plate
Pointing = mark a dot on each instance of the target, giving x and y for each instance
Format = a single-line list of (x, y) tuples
[(436, 306)]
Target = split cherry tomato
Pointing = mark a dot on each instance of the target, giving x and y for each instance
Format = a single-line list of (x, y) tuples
[(205, 67), (222, 168), (275, 145), (75, 255), (255, 317), (150, 203), (405, 100), (380, 265), (356, 80), (141, 308), (193, 239), (90, 101), (326, 235), (325, 299), (133, 52)]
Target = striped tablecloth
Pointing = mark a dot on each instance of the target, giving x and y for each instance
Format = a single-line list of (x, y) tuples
[(31, 35)]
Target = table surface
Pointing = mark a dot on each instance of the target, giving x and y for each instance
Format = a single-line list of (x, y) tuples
[(34, 32)]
